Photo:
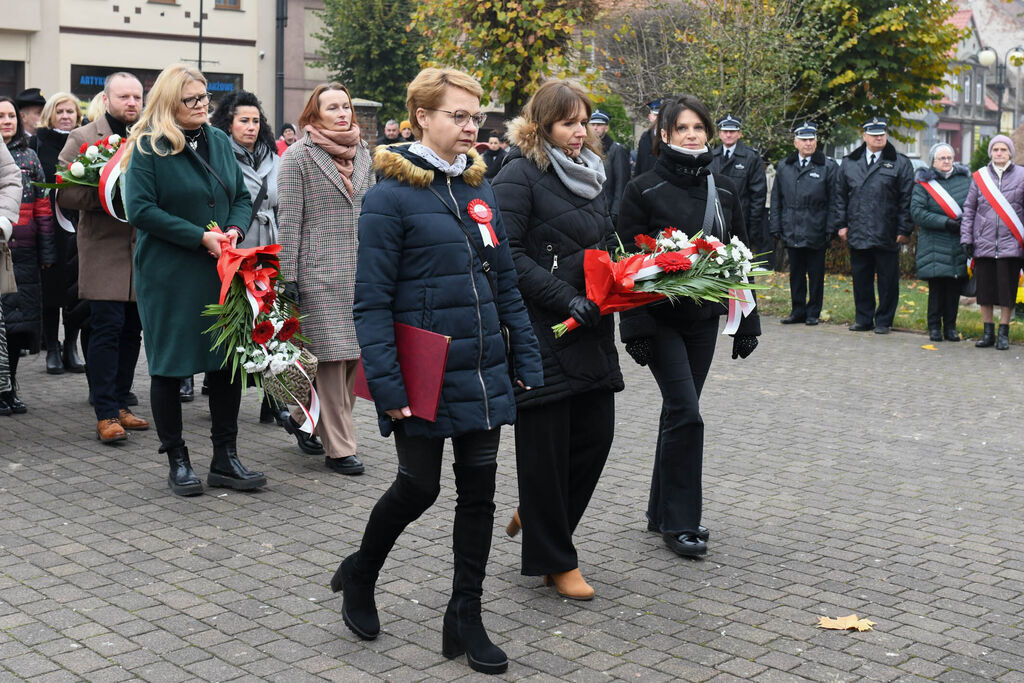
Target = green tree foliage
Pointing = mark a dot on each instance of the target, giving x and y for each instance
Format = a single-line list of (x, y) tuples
[(510, 46), (621, 127), (979, 157), (365, 45)]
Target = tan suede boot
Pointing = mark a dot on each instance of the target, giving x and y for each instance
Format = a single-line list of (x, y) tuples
[(570, 584)]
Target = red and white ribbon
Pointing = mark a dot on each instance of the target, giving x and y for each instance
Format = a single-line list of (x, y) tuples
[(108, 183), (990, 189), (943, 198), (482, 214), (62, 220), (741, 304)]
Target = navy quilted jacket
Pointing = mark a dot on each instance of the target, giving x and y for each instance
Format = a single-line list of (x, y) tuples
[(416, 266)]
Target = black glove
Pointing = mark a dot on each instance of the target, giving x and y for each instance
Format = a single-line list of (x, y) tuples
[(641, 350), (291, 291), (584, 311), (968, 249), (953, 224), (743, 345)]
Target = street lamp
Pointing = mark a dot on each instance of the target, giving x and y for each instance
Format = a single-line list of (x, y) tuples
[(1013, 57)]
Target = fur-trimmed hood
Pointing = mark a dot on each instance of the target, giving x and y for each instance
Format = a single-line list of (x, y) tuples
[(923, 175), (396, 161), (525, 135)]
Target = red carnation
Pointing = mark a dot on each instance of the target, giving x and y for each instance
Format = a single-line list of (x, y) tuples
[(672, 261), (85, 146), (262, 333), (703, 244), (288, 329), (60, 179), (669, 231), (645, 242), (268, 301)]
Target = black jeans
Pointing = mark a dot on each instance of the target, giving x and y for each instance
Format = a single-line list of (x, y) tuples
[(112, 353), (866, 265), (806, 273), (683, 351), (225, 398), (561, 449), (943, 302)]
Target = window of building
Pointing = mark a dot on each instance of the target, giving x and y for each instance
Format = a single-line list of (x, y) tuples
[(967, 88), (227, 4)]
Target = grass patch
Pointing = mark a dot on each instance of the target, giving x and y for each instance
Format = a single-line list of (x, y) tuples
[(837, 307)]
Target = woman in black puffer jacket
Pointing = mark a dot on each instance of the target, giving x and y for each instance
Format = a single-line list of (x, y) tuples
[(678, 340), (549, 192)]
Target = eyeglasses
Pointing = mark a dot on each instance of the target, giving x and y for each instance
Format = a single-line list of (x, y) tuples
[(193, 102), (462, 117)]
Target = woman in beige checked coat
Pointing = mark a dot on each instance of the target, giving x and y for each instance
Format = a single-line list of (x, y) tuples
[(321, 184)]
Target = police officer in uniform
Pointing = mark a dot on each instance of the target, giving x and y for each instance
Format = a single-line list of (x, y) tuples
[(645, 147), (616, 163), (803, 216), (744, 167), (875, 185)]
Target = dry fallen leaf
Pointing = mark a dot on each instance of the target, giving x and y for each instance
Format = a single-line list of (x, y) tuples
[(930, 347), (846, 623)]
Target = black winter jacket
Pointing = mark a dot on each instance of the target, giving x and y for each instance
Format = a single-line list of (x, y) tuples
[(549, 228), (616, 170), (874, 203), (494, 158), (645, 153), (417, 266), (746, 171), (674, 194), (804, 206)]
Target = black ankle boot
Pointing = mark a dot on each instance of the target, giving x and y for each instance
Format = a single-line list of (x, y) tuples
[(358, 609), (12, 400), (988, 336), (182, 480), (471, 541), (72, 361), (227, 472), (54, 363), (1003, 338), (268, 411)]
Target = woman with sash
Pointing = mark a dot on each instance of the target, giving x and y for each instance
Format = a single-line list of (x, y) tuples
[(936, 207), (991, 233)]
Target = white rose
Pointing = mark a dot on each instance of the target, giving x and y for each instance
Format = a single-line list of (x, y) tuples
[(92, 152), (278, 366), (114, 139), (77, 169)]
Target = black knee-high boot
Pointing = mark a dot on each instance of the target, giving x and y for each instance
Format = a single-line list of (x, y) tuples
[(471, 542), (69, 353), (357, 575)]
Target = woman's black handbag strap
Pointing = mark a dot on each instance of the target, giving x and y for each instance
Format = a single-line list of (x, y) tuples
[(484, 263), (209, 168), (258, 202)]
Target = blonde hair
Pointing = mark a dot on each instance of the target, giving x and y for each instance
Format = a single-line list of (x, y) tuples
[(50, 108), (157, 121), (428, 88), (96, 108)]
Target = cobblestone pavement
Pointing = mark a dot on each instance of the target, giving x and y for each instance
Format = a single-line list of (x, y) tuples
[(843, 473)]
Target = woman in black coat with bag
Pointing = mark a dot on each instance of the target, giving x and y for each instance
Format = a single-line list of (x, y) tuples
[(678, 340), (549, 193)]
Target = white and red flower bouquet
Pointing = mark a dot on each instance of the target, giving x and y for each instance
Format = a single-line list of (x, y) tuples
[(672, 266), (258, 328), (98, 165)]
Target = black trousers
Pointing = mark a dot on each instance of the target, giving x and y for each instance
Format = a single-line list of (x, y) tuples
[(806, 274), (112, 353), (943, 302), (561, 449), (683, 352), (866, 265), (225, 398)]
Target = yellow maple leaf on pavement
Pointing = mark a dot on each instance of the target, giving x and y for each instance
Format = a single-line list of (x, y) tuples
[(846, 623)]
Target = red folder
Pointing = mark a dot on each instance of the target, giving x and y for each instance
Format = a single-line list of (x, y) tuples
[(422, 357)]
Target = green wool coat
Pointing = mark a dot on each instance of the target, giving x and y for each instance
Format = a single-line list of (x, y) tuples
[(938, 248), (170, 200)]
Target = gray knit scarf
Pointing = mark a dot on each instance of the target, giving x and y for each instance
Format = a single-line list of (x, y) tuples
[(584, 177)]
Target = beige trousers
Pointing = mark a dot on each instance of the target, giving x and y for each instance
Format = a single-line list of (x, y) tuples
[(335, 384)]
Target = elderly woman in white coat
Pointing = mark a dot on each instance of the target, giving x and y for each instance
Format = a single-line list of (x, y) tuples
[(321, 184)]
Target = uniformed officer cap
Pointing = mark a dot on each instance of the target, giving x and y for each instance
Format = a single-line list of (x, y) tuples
[(730, 122), (806, 131), (876, 125), (654, 105), (600, 117)]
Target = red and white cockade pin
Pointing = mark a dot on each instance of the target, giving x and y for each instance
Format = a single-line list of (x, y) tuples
[(482, 214)]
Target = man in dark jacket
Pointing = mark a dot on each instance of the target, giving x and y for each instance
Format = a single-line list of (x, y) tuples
[(493, 156), (744, 167), (644, 148), (803, 216), (875, 186), (616, 163)]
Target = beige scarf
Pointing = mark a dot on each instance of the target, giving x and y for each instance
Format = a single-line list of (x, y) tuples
[(341, 145)]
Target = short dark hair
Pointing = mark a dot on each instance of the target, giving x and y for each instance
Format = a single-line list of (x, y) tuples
[(224, 115), (285, 127), (671, 108), (19, 132)]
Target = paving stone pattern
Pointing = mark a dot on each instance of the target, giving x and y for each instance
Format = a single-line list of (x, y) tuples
[(843, 473)]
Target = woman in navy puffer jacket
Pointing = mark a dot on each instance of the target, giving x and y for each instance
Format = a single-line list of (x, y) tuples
[(417, 266)]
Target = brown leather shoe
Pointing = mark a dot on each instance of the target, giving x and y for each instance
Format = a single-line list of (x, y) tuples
[(570, 585), (130, 421), (515, 525), (110, 430)]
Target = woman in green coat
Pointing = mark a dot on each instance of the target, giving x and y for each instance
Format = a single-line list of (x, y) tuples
[(940, 259), (181, 174)]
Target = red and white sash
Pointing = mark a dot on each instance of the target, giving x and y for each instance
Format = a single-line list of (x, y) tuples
[(990, 189), (109, 177), (943, 198)]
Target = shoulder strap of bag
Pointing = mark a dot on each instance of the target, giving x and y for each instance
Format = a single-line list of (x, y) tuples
[(712, 211), (258, 202), (484, 263), (209, 168)]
